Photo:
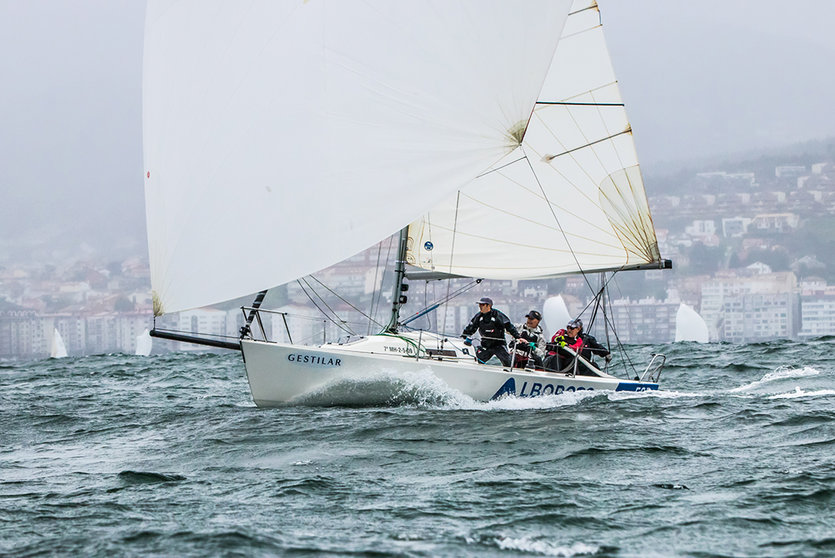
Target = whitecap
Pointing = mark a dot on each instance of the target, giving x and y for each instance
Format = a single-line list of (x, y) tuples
[(781, 373), (545, 548), (661, 394), (800, 393), (513, 403)]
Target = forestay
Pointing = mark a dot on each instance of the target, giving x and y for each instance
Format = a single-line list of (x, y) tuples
[(283, 136), (569, 199)]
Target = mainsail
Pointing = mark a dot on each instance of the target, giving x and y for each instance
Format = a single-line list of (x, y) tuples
[(281, 137), (569, 199)]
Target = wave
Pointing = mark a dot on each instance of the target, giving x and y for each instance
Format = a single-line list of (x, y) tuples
[(424, 389), (781, 373), (800, 393), (546, 548), (385, 390), (148, 477)]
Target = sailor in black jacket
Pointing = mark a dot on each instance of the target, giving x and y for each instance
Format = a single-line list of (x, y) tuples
[(491, 325)]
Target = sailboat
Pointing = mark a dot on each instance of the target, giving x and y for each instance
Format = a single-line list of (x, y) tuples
[(690, 326), (555, 313), (144, 343), (57, 348), (283, 137)]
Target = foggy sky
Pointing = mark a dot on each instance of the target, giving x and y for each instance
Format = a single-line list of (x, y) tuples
[(698, 78)]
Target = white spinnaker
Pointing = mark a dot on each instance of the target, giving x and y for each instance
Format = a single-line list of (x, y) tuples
[(283, 136), (569, 199)]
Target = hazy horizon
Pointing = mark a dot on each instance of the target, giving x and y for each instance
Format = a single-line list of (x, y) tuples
[(699, 80)]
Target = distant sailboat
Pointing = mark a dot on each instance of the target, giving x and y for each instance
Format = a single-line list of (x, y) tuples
[(555, 313), (58, 349), (690, 326), (144, 343)]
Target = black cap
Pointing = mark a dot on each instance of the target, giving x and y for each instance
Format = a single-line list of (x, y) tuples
[(485, 300), (534, 314), (576, 322)]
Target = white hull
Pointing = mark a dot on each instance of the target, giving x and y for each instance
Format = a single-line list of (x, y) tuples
[(281, 374)]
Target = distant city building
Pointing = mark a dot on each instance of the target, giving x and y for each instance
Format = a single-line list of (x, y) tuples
[(753, 308), (818, 315), (775, 222), (817, 307), (735, 226), (644, 321), (818, 168), (789, 171)]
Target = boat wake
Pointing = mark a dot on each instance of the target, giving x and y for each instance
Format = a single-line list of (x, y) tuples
[(386, 389), (423, 389)]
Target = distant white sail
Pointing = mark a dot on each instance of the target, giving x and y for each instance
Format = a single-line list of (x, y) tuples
[(281, 137), (144, 343), (690, 326), (57, 349), (555, 314), (570, 198)]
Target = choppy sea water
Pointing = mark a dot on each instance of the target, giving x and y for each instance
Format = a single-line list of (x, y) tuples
[(166, 455)]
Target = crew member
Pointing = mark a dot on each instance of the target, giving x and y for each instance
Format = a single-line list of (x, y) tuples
[(581, 343), (530, 334), (491, 325)]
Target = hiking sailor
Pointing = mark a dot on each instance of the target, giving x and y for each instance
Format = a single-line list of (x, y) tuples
[(491, 325), (532, 345), (572, 337)]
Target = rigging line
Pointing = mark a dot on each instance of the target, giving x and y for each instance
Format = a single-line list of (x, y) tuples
[(578, 104), (557, 219), (325, 314), (457, 293), (376, 273), (548, 158), (628, 217), (383, 277), (498, 168), (452, 251), (363, 314), (617, 337), (521, 217), (627, 359), (609, 323)]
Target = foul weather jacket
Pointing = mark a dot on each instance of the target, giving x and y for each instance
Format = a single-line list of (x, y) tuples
[(491, 326)]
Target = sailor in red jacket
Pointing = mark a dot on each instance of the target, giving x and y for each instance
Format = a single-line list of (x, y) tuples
[(569, 337)]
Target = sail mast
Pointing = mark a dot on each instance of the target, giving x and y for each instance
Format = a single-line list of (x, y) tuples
[(397, 298)]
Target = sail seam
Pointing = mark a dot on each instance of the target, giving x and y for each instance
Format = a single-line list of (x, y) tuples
[(553, 228)]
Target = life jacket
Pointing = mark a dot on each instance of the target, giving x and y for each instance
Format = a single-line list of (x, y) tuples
[(561, 339)]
